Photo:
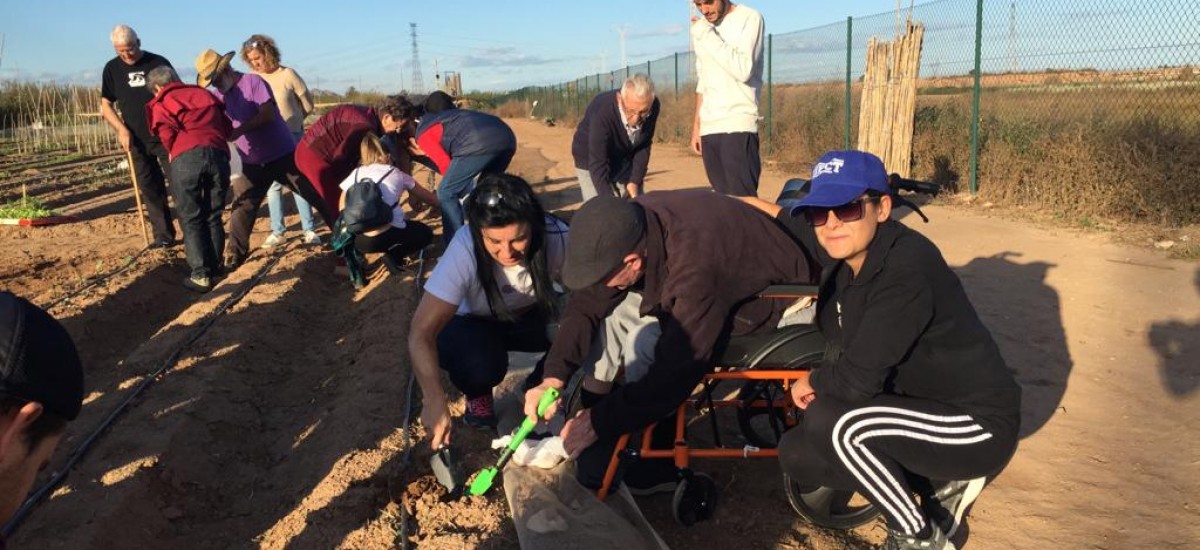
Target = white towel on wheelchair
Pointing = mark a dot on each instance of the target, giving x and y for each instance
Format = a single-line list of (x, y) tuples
[(801, 312), (543, 453)]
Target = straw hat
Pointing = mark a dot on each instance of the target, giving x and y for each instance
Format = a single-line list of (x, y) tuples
[(209, 64)]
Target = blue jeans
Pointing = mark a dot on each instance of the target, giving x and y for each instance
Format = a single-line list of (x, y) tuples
[(200, 181), (275, 205), (459, 180)]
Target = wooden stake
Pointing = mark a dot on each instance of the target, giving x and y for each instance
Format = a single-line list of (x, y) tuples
[(137, 197)]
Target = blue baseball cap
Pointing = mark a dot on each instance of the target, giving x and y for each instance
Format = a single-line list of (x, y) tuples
[(842, 176)]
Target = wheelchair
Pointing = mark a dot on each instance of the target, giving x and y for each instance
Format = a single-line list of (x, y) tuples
[(762, 367)]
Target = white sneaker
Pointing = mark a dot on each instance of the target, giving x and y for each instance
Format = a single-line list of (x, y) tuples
[(311, 237), (274, 240)]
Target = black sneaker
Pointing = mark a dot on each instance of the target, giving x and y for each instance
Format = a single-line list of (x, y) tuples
[(652, 476), (899, 541), (162, 243), (393, 267), (198, 284), (951, 501)]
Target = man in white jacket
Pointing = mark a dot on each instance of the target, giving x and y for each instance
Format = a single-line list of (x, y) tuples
[(728, 44)]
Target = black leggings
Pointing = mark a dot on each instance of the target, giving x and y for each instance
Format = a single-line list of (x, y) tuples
[(395, 242), (885, 445), (474, 350)]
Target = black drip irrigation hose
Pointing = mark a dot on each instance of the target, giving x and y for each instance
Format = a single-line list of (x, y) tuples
[(408, 400), (76, 455), (96, 280)]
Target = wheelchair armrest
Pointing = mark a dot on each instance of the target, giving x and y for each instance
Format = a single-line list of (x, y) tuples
[(789, 291)]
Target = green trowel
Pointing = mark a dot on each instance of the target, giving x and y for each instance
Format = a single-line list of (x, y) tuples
[(483, 479)]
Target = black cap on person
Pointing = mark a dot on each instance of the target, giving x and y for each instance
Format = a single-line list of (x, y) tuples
[(603, 232), (38, 360)]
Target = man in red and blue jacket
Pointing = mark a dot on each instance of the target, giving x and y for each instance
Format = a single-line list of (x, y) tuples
[(192, 125), (462, 144)]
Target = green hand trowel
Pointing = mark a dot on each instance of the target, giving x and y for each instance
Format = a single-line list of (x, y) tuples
[(483, 479)]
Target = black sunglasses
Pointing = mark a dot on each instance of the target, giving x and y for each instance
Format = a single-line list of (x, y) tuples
[(849, 212), (255, 44)]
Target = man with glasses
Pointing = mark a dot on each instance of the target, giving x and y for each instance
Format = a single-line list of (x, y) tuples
[(696, 261), (612, 143), (914, 396), (728, 44), (123, 89), (41, 389)]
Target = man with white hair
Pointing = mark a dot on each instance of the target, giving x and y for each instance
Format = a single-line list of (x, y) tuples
[(612, 143), (124, 90)]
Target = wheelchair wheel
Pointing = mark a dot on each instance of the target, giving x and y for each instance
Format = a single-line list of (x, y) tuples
[(695, 499), (762, 426), (830, 508)]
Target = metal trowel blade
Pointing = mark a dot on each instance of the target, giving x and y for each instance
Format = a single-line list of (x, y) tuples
[(446, 470)]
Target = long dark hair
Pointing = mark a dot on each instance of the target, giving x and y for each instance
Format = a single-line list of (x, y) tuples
[(504, 199)]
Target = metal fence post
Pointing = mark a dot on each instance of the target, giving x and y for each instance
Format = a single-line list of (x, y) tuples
[(849, 82), (770, 94), (973, 183), (676, 73)]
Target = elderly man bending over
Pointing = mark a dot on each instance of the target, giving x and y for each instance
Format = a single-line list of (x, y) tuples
[(612, 143), (191, 123)]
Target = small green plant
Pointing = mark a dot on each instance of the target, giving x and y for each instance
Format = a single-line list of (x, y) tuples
[(26, 208)]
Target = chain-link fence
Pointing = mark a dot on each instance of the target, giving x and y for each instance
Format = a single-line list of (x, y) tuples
[(1082, 107)]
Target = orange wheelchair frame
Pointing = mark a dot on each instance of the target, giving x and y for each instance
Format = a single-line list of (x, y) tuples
[(779, 357)]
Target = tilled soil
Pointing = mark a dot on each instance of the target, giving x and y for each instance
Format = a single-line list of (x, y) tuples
[(279, 424)]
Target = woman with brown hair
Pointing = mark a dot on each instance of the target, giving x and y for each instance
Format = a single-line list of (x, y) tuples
[(329, 150), (294, 100)]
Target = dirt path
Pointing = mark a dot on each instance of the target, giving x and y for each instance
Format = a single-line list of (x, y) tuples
[(278, 428)]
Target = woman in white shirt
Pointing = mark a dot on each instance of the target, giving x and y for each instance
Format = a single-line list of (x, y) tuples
[(491, 292), (401, 237)]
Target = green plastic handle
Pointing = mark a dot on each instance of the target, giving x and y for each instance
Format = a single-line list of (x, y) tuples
[(550, 396)]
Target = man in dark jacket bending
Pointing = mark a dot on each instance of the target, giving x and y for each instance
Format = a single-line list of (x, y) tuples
[(698, 260), (612, 143)]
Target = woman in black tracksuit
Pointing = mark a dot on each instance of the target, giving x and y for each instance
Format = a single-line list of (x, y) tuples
[(914, 395)]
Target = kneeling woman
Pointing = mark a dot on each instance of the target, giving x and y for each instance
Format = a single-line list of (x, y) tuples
[(492, 292), (914, 396), (401, 237)]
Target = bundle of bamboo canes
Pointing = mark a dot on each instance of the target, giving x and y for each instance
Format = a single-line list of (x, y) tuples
[(889, 98)]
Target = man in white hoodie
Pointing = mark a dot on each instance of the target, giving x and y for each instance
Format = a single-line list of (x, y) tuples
[(728, 43)]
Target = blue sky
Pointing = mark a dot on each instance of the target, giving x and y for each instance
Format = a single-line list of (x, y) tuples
[(366, 44)]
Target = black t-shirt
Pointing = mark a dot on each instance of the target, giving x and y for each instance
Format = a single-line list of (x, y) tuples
[(126, 86)]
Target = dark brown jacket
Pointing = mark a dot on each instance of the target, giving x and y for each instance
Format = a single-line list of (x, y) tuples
[(707, 258)]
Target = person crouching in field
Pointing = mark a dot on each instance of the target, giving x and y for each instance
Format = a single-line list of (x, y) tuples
[(329, 150), (491, 292), (914, 396), (191, 124), (41, 389), (401, 237)]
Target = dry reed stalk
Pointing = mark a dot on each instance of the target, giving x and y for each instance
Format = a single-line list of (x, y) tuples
[(889, 99)]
